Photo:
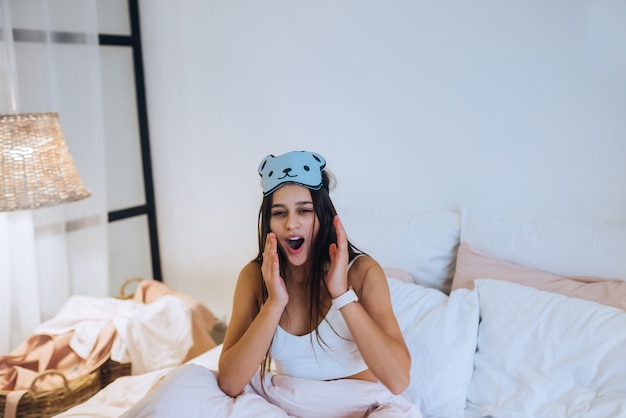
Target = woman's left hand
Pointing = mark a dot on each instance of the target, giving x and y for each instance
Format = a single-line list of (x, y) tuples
[(337, 278)]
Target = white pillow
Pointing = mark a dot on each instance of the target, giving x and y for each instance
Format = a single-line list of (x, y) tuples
[(441, 334), (422, 244), (541, 354), (566, 247)]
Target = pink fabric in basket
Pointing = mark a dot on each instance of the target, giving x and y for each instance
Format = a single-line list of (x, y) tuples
[(472, 265)]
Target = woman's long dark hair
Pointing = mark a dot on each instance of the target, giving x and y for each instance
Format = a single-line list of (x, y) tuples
[(320, 258)]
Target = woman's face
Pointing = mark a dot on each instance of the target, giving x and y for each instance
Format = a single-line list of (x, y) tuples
[(294, 222)]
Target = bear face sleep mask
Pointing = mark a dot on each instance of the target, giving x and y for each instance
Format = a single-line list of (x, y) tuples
[(299, 167)]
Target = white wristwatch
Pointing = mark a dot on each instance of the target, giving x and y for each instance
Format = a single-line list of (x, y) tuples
[(342, 300)]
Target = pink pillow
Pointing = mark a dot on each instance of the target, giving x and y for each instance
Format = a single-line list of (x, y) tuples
[(471, 265)]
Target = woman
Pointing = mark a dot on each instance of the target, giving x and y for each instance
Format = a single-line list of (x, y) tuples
[(310, 301)]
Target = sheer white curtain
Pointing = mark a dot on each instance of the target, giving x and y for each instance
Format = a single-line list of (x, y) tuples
[(50, 47)]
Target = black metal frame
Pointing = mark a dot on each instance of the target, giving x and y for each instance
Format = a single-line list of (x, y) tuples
[(149, 208)]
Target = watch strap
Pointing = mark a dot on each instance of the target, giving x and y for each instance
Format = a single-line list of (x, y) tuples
[(342, 300)]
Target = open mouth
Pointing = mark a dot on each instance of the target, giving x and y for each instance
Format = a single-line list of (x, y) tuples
[(295, 242)]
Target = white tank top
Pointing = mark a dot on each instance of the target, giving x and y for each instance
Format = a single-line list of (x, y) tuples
[(334, 356)]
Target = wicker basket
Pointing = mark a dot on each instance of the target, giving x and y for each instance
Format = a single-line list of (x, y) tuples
[(39, 404), (36, 403), (122, 293), (46, 403), (111, 370)]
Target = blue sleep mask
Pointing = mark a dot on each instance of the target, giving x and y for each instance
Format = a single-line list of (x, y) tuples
[(299, 167)]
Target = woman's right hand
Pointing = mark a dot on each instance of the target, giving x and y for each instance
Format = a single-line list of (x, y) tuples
[(276, 288), (252, 327)]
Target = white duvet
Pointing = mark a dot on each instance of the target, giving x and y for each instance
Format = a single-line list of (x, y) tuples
[(501, 350)]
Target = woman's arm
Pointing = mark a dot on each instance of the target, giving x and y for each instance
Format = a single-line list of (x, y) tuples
[(375, 329), (371, 321), (250, 330)]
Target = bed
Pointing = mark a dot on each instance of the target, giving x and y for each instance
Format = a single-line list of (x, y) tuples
[(505, 315)]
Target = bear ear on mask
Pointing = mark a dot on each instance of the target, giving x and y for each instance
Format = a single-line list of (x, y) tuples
[(296, 167)]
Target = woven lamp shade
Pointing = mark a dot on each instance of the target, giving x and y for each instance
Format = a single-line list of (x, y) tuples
[(36, 168)]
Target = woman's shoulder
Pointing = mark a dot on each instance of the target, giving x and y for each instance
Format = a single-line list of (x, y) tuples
[(364, 267), (363, 261), (250, 272), (252, 267), (250, 280)]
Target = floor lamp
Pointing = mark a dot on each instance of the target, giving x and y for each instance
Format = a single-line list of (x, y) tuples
[(36, 170)]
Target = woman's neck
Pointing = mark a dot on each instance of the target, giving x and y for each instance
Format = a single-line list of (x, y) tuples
[(298, 274)]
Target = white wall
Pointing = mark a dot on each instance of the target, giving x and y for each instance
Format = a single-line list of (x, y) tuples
[(416, 105)]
